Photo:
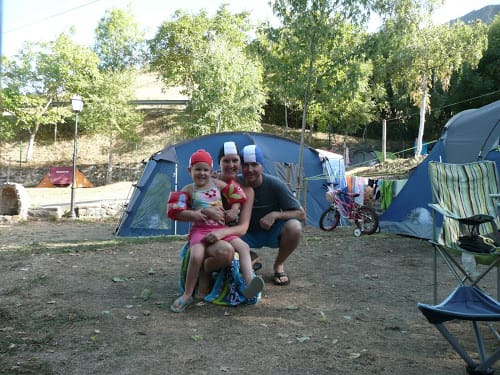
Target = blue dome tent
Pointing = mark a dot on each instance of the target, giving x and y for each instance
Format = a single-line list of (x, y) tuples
[(166, 171), (468, 136)]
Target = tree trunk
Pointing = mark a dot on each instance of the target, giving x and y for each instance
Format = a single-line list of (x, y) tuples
[(109, 169), (286, 118), (217, 130), (423, 106), (31, 143), (345, 150), (303, 130), (384, 140), (311, 128)]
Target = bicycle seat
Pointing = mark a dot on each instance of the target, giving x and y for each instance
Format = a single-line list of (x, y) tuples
[(352, 195)]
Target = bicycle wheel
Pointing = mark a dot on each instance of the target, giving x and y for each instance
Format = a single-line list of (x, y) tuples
[(329, 219), (366, 220)]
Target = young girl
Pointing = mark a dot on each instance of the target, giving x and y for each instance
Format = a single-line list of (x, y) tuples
[(188, 205)]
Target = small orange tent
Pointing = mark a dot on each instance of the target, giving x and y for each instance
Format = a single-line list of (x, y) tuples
[(63, 176)]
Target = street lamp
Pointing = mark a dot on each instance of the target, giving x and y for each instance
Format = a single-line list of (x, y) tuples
[(77, 105)]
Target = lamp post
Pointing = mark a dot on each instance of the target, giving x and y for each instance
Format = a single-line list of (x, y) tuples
[(77, 105)]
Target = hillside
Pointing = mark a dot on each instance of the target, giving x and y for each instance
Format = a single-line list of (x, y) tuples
[(155, 135), (159, 131), (485, 14)]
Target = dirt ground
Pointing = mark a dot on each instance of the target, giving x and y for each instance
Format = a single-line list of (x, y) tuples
[(71, 303)]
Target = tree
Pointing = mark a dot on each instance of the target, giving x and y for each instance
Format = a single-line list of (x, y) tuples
[(228, 94), (415, 54), (42, 75), (311, 55), (479, 86), (207, 57), (119, 41), (109, 112)]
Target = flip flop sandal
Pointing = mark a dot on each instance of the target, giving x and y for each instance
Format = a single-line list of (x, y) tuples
[(254, 287), (179, 305), (277, 279)]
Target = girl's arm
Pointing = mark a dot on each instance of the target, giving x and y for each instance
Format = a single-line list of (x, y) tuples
[(239, 229), (187, 214)]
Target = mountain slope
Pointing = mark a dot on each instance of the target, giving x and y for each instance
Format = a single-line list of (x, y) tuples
[(485, 14)]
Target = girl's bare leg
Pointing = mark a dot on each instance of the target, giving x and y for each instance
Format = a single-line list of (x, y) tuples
[(193, 271), (245, 259)]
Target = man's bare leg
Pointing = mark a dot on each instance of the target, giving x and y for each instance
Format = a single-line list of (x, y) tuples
[(290, 236)]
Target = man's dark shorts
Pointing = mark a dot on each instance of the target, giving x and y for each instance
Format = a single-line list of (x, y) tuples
[(265, 238)]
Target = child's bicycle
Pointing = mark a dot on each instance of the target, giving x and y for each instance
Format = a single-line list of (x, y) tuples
[(343, 204)]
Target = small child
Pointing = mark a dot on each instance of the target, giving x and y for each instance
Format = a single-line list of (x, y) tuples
[(205, 192)]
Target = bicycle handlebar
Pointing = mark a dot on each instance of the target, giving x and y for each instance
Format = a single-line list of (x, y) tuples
[(340, 191)]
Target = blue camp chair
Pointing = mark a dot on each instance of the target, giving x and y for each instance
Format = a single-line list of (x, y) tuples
[(466, 303)]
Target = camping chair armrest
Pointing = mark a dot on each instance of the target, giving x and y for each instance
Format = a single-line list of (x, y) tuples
[(443, 211)]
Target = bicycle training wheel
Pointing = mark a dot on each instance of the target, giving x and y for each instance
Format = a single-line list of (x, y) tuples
[(366, 220), (329, 219)]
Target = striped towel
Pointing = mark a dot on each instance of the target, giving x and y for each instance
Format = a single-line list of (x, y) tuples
[(228, 285)]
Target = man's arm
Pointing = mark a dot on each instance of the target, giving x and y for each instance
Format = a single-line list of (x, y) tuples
[(268, 220), (289, 206)]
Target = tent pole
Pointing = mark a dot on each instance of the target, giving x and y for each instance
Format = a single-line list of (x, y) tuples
[(175, 189)]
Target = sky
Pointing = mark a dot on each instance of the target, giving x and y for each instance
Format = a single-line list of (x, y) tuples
[(43, 20)]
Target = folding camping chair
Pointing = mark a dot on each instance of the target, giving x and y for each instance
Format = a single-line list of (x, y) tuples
[(463, 195), (466, 303)]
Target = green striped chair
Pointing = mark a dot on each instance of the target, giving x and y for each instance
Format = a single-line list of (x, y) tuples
[(464, 195)]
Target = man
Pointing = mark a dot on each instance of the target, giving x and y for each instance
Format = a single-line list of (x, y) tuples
[(276, 213)]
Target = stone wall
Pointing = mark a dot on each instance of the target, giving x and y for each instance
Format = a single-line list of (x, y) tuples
[(93, 211), (31, 176)]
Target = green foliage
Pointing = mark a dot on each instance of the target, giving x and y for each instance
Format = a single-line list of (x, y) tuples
[(318, 65), (411, 55), (207, 57), (119, 41), (110, 114), (314, 60), (40, 76), (489, 63), (479, 86), (108, 110), (228, 94)]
